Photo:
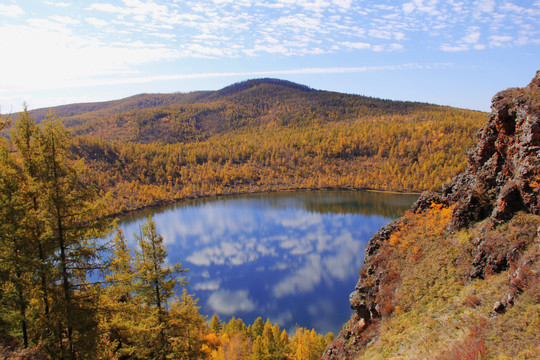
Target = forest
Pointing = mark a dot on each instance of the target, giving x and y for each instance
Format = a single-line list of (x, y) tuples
[(263, 135), (68, 293)]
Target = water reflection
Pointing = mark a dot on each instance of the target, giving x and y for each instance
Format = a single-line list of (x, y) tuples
[(291, 257)]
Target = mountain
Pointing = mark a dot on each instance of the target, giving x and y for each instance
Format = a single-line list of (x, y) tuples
[(458, 277), (181, 117)]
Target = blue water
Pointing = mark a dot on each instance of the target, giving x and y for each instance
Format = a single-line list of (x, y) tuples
[(290, 257)]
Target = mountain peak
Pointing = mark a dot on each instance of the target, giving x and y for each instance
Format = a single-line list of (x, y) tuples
[(248, 84)]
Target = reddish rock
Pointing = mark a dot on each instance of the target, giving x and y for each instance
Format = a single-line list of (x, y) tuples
[(503, 173)]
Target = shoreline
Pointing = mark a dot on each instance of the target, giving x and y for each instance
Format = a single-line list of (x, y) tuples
[(161, 203)]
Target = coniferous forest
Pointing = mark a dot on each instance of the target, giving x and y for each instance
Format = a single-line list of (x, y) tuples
[(68, 293)]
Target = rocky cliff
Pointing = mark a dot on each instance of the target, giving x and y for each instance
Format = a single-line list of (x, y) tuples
[(479, 234), (503, 175)]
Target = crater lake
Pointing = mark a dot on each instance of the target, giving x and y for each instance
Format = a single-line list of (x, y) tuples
[(292, 257)]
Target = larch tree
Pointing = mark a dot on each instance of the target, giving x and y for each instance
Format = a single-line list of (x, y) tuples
[(121, 306), (188, 329), (73, 224), (215, 325), (155, 282), (16, 259), (25, 140)]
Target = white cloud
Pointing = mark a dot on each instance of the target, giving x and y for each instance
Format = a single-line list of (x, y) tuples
[(380, 33), (282, 318), (227, 302), (485, 5), (345, 4), (66, 20), (107, 8), (97, 22), (408, 7), (126, 36), (426, 6), (499, 40), (11, 10), (454, 48), (472, 37), (57, 3), (356, 45)]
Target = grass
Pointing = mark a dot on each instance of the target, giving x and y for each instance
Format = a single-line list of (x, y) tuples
[(438, 312)]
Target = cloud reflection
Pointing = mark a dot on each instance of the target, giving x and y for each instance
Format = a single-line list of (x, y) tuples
[(265, 256), (207, 285), (304, 279), (227, 302), (225, 253)]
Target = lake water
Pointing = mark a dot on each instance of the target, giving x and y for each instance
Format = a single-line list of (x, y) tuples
[(292, 257)]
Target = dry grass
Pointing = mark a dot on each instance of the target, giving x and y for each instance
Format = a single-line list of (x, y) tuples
[(435, 311)]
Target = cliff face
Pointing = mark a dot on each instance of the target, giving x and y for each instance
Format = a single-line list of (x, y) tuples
[(503, 175), (481, 217)]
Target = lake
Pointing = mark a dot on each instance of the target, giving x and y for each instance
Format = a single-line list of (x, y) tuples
[(292, 257)]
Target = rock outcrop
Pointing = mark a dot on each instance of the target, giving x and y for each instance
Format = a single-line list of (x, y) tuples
[(503, 174), (502, 178)]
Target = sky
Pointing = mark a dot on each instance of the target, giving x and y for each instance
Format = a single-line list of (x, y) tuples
[(448, 52)]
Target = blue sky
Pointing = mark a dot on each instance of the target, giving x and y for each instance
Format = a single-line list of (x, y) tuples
[(453, 52)]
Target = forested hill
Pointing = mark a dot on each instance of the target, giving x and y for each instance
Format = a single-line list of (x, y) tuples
[(262, 135), (171, 118)]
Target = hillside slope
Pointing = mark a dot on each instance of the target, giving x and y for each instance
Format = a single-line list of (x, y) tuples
[(458, 277), (262, 135), (270, 135)]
